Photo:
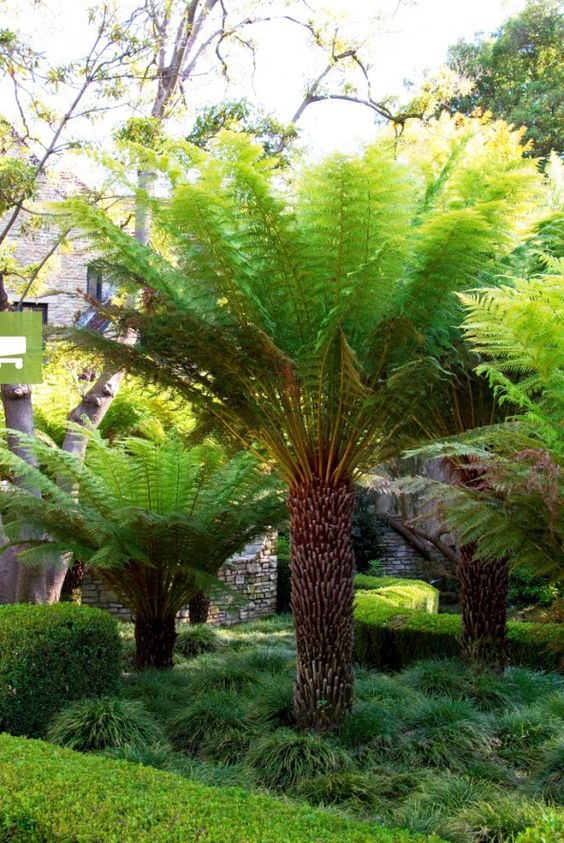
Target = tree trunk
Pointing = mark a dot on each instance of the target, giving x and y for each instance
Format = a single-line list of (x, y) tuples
[(483, 596), (322, 571), (154, 642), (24, 583), (198, 608)]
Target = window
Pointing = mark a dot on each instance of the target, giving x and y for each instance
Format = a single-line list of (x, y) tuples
[(94, 281), (30, 305)]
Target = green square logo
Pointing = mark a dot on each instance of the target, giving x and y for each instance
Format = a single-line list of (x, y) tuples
[(21, 347)]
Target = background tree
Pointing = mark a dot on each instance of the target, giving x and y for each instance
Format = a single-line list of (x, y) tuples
[(157, 521), (310, 324), (517, 74)]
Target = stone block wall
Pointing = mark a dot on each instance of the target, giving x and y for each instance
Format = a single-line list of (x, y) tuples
[(251, 574), (399, 558), (66, 272)]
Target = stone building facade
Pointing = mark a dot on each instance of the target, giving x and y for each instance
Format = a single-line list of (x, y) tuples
[(70, 272), (250, 575)]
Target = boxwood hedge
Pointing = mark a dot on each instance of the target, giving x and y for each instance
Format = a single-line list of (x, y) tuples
[(390, 638), (409, 594), (50, 655), (52, 795)]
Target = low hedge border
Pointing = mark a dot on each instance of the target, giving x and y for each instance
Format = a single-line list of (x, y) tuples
[(409, 594), (389, 638), (51, 655), (52, 795)]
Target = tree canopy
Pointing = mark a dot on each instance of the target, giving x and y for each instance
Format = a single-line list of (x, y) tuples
[(517, 74)]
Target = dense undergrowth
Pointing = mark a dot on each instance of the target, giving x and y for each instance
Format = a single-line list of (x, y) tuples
[(435, 748)]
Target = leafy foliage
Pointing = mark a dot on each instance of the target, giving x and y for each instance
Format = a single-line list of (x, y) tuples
[(517, 73), (514, 507), (309, 322), (157, 520), (194, 640), (50, 656)]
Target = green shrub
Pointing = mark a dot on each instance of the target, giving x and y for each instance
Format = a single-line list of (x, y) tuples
[(155, 755), (526, 589), (103, 723), (192, 641), (521, 732), (371, 723), (215, 674), (272, 702), (548, 830), (355, 790), (401, 593), (444, 733), (549, 780), (495, 820), (205, 716), (55, 795), (226, 746), (388, 639), (282, 759), (50, 656)]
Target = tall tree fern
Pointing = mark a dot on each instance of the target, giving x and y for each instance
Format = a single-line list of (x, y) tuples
[(514, 508), (157, 521), (307, 319)]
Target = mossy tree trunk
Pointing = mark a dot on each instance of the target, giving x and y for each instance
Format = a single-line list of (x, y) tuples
[(198, 608), (322, 571), (483, 598), (154, 642)]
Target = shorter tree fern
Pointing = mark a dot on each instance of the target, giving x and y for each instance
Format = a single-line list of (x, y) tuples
[(156, 520), (514, 508)]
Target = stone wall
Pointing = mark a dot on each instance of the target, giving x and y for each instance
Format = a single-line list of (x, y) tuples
[(399, 558), (64, 277), (251, 574)]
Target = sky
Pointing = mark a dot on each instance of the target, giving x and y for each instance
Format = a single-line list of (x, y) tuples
[(413, 38)]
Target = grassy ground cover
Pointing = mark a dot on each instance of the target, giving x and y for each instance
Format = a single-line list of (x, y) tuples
[(433, 749)]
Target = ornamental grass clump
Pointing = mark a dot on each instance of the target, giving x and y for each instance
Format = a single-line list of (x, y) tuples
[(104, 723), (272, 702), (444, 733), (205, 716), (192, 641), (283, 759), (353, 790)]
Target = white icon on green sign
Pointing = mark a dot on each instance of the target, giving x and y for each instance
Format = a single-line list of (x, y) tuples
[(21, 347), (12, 346)]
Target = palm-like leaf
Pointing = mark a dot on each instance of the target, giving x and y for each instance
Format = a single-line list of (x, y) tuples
[(157, 520)]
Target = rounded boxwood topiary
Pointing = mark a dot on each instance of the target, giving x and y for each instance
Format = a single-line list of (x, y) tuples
[(283, 759), (104, 723), (50, 656)]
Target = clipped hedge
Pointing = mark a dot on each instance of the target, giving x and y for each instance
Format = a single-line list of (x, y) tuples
[(389, 639), (409, 594), (51, 655), (52, 795)]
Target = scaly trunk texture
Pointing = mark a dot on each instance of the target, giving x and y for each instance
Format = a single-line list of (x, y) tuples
[(198, 608), (322, 571), (483, 597), (154, 642)]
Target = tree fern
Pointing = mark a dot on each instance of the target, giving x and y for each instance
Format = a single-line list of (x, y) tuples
[(308, 320), (156, 520)]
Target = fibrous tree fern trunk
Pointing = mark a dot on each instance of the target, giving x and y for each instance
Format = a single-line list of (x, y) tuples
[(154, 641), (483, 597), (322, 601), (199, 608)]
